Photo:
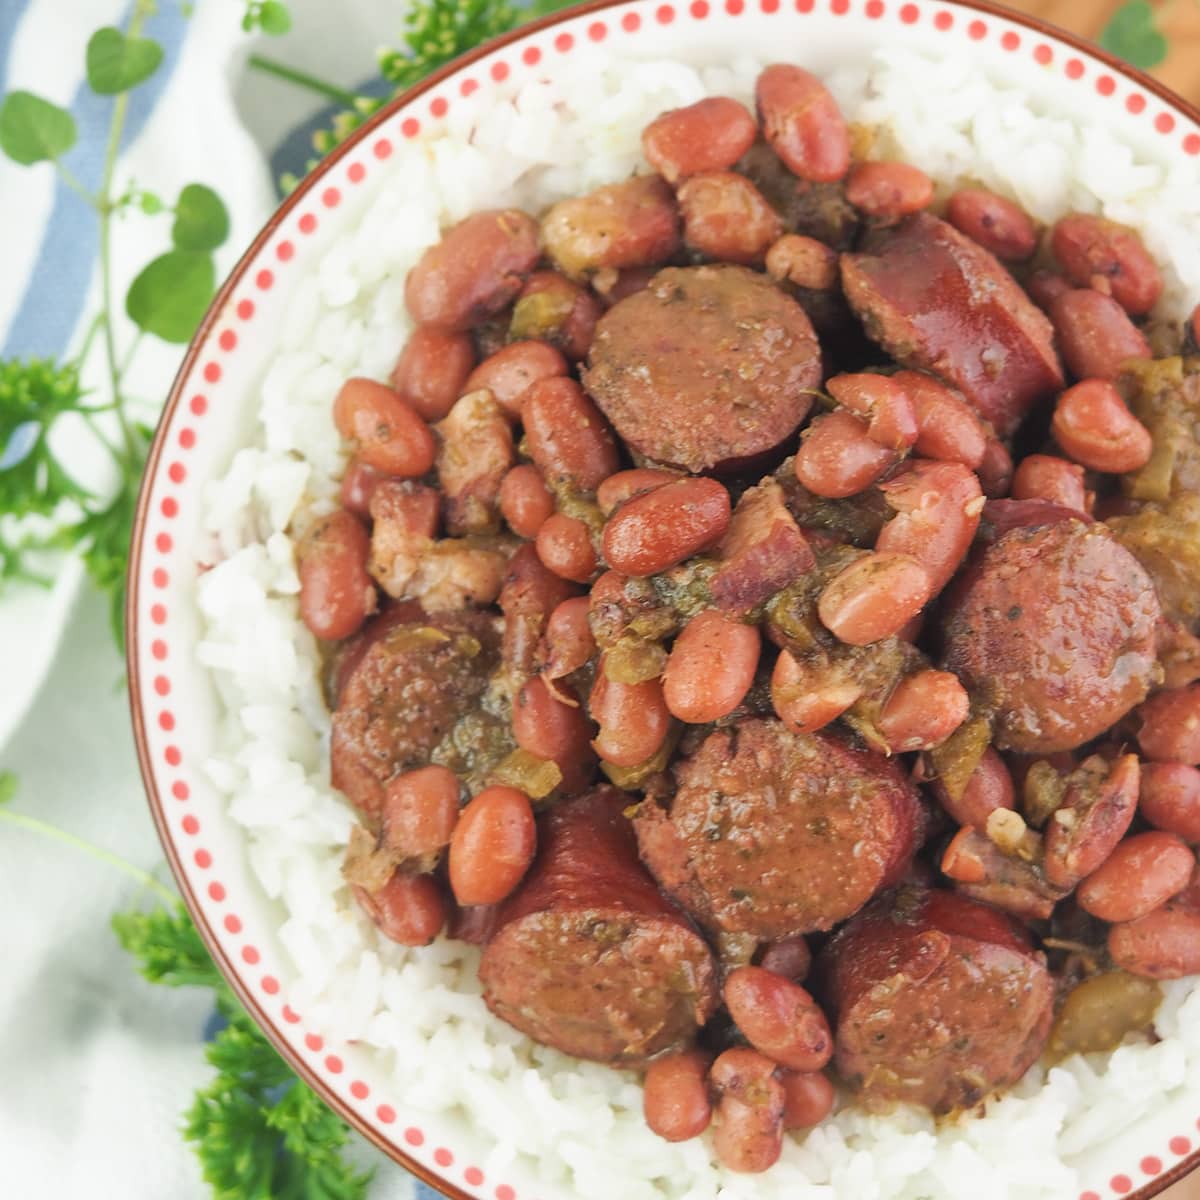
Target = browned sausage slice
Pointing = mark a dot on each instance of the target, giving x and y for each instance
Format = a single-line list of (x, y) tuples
[(937, 1000), (775, 834), (935, 299), (587, 955), (705, 367), (1053, 631), (403, 688)]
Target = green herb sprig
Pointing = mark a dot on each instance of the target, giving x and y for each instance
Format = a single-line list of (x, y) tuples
[(166, 300)]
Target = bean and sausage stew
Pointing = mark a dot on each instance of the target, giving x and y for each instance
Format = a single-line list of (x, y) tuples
[(760, 615)]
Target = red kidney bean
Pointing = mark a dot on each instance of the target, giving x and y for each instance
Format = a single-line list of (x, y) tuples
[(1170, 798), (624, 485), (1048, 477), (525, 501), (492, 847), (808, 1098), (990, 787), (997, 224), (748, 1135), (885, 404), (1193, 330), (947, 428), (658, 529), (531, 592), (888, 190), (801, 120), (564, 544), (558, 311), (923, 710), (1001, 516), (568, 638), (387, 434), (432, 369), (873, 597), (1089, 823), (358, 486), (937, 509), (803, 699), (568, 437), (629, 224), (1090, 249), (789, 957), (710, 668), (420, 810), (1094, 426), (513, 370), (633, 719), (1044, 287), (474, 271), (710, 135), (803, 261), (996, 470), (778, 1018), (1164, 944), (1169, 725), (726, 218), (838, 457), (548, 727), (1094, 335), (336, 593), (409, 909), (675, 1099), (1143, 872)]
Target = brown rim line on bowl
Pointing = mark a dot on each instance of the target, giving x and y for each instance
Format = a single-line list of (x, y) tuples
[(232, 974)]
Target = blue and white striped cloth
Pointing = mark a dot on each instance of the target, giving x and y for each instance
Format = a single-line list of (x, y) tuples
[(95, 1065)]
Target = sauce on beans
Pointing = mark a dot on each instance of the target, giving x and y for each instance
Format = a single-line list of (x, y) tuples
[(741, 559)]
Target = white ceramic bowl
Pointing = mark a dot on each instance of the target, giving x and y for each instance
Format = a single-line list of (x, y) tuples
[(205, 419)]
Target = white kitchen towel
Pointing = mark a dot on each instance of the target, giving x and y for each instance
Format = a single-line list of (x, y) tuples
[(95, 1065)]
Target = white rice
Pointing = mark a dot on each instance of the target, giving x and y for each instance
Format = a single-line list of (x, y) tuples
[(579, 1126)]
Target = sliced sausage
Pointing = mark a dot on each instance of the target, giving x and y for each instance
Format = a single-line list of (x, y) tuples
[(706, 366), (937, 300), (937, 1001), (775, 834), (408, 681), (587, 956), (1053, 630)]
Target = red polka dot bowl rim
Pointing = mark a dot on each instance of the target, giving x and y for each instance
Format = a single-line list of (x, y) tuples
[(172, 708)]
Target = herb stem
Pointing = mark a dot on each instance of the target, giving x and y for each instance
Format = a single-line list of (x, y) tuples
[(45, 829), (268, 66), (105, 206), (65, 174)]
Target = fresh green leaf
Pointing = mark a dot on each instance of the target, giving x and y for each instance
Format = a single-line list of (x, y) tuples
[(1132, 34), (201, 220), (8, 786), (104, 534), (117, 62), (169, 297), (33, 130), (149, 203), (167, 947), (33, 395), (274, 18), (258, 1132)]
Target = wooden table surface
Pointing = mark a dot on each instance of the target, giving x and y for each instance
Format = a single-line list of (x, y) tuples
[(1179, 21)]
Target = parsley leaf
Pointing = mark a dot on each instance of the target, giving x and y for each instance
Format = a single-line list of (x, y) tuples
[(259, 1133), (33, 395), (1131, 34), (441, 30)]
